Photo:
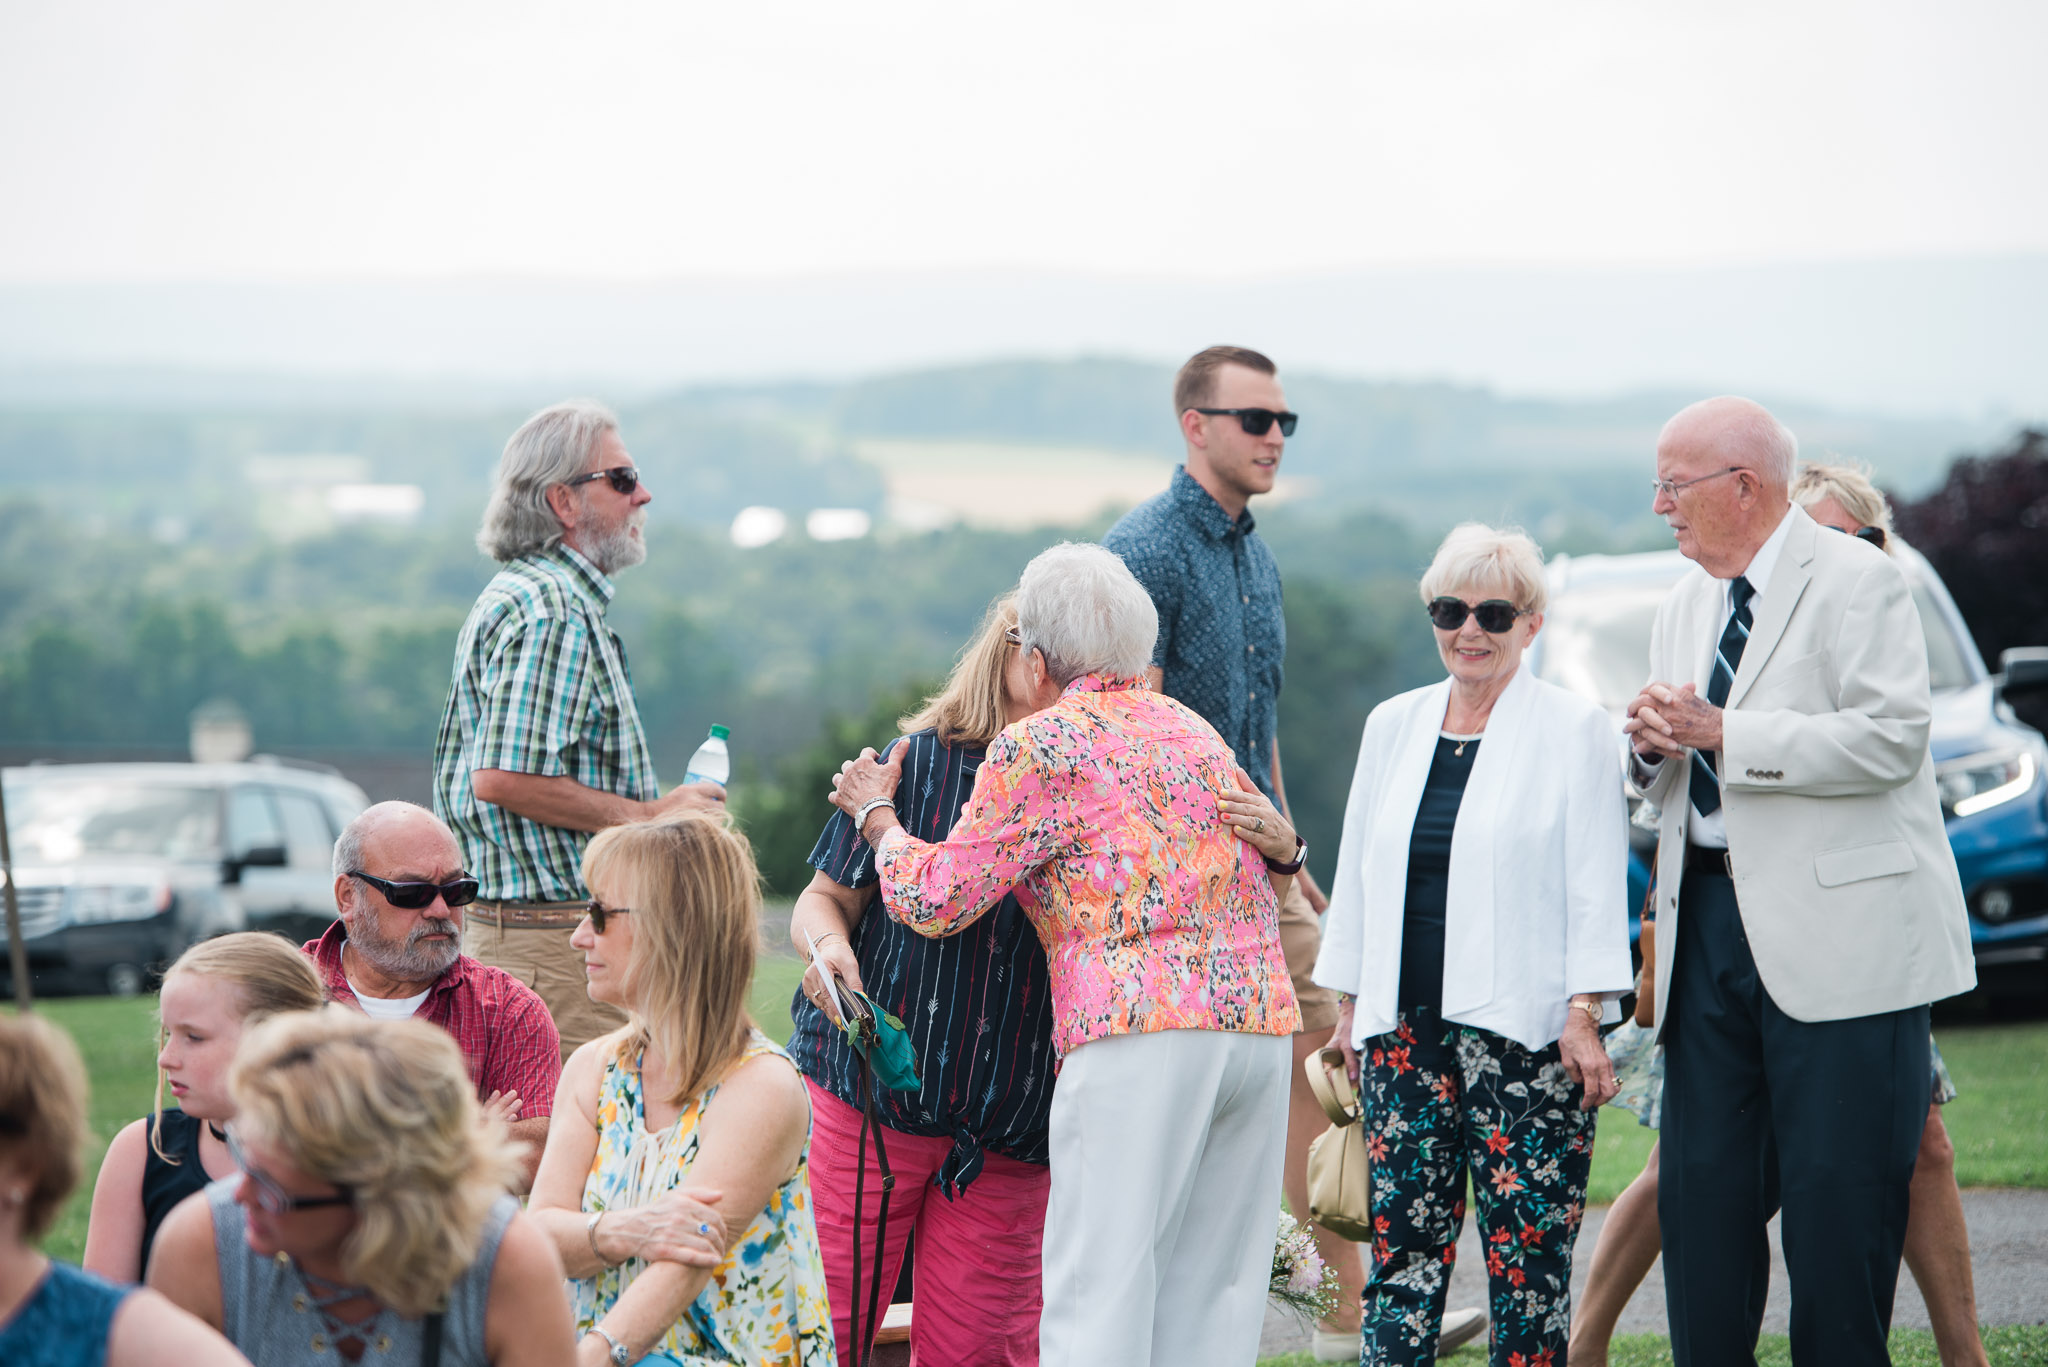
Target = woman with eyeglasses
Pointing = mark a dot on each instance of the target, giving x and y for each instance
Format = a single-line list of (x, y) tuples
[(369, 1220), (53, 1314), (1478, 938), (676, 1185), (211, 994), (1937, 1249)]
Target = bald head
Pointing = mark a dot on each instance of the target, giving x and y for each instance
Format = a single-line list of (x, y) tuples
[(1724, 474), (389, 830)]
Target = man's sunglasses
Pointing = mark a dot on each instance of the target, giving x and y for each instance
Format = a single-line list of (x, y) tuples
[(273, 1197), (1495, 615), (1874, 535), (624, 478), (456, 892), (1256, 421), (598, 911)]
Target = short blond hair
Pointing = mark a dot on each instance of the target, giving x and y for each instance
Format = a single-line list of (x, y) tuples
[(695, 896), (969, 709), (1850, 486), (386, 1109), (42, 1114), (1502, 560)]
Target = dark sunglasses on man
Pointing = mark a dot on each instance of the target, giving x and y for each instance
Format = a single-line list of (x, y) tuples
[(1495, 615), (1256, 421), (624, 478), (456, 892)]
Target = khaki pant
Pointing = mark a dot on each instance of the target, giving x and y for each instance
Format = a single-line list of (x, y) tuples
[(1301, 939), (543, 959)]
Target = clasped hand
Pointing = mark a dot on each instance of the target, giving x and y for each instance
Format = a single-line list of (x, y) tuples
[(1664, 721), (864, 778), (1256, 820)]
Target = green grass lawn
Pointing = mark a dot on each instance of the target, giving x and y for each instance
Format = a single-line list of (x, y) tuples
[(1999, 1124)]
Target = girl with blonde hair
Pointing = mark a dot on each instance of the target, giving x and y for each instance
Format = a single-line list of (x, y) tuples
[(370, 1215), (213, 991), (675, 1184)]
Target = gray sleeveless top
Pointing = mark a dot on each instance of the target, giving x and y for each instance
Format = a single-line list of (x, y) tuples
[(267, 1310)]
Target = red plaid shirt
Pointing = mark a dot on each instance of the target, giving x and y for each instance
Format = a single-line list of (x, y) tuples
[(502, 1025)]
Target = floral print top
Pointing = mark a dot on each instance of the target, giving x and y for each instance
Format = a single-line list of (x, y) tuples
[(765, 1304), (1101, 813)]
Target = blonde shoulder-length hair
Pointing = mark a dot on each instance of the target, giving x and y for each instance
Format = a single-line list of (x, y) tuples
[(1851, 487), (694, 895), (969, 709), (265, 975), (387, 1110)]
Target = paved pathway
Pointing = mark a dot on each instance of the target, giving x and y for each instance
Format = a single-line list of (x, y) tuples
[(2008, 1251)]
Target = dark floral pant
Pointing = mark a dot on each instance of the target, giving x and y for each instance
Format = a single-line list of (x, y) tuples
[(1442, 1099)]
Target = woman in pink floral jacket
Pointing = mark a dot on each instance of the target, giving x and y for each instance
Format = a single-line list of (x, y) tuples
[(1149, 866)]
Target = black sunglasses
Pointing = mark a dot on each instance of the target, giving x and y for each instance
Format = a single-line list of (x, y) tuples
[(1256, 421), (624, 478), (456, 892), (1495, 615), (270, 1194), (1874, 535), (597, 911)]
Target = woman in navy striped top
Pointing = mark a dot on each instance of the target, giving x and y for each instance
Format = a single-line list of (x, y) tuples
[(969, 1146)]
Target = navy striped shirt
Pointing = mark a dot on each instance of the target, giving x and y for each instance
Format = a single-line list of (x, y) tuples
[(978, 1005)]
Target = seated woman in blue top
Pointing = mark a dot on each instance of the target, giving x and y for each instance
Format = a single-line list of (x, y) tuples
[(969, 1147), (1477, 938), (51, 1314)]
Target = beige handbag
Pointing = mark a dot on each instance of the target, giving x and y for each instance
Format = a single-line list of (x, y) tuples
[(1339, 1198), (1646, 980)]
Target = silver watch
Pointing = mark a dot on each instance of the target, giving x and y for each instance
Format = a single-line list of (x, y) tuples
[(620, 1357)]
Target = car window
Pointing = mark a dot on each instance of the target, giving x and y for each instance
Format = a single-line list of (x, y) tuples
[(1946, 666), (57, 820), (308, 837), (252, 821)]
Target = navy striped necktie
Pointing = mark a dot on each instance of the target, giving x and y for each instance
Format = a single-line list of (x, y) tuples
[(1706, 783)]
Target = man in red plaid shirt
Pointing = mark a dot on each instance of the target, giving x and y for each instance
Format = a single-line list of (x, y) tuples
[(397, 952)]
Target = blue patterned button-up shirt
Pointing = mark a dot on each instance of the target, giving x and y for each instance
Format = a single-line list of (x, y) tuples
[(1222, 636), (540, 688)]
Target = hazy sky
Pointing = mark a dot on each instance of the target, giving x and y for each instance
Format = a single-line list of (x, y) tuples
[(144, 139)]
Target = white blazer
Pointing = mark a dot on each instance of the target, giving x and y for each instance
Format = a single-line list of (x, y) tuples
[(1537, 908), (1847, 886)]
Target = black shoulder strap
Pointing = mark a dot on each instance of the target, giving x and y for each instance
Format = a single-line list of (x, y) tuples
[(430, 1341)]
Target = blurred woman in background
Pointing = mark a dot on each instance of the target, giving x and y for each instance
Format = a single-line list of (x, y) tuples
[(53, 1315), (211, 993)]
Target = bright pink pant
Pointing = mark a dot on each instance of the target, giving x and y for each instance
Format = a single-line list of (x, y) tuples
[(978, 1267)]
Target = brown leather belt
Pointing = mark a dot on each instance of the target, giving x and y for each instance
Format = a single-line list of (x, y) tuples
[(1708, 860), (527, 915)]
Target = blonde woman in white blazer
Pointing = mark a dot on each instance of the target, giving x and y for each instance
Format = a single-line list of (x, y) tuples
[(1478, 936)]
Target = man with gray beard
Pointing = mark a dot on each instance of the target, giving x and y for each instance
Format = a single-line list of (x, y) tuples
[(396, 952), (541, 744)]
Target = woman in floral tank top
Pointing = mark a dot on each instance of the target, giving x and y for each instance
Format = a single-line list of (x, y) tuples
[(676, 1183)]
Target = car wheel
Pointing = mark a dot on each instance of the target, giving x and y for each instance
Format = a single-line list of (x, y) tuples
[(125, 980)]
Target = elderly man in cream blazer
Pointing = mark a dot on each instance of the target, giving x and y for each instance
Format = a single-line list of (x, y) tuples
[(1811, 908)]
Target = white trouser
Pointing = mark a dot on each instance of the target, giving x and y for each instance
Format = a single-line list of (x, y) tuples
[(1159, 1232)]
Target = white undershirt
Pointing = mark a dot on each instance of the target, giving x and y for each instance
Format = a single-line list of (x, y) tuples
[(386, 1008)]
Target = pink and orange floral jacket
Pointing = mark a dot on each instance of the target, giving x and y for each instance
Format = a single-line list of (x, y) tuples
[(1101, 813)]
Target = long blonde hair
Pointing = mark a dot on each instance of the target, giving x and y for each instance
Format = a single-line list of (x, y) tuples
[(267, 976), (695, 896), (387, 1110), (969, 709)]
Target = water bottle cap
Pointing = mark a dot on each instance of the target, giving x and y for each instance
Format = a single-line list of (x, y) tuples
[(721, 732)]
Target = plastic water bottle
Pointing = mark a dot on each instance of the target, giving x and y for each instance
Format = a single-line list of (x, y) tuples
[(711, 763)]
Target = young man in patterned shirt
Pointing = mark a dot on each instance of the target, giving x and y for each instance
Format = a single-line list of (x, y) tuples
[(541, 744), (1222, 641)]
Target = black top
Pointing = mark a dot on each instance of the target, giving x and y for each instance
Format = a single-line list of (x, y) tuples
[(166, 1184), (1429, 874), (977, 1005)]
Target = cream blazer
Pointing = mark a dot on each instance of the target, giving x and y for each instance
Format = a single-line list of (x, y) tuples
[(1537, 908), (1849, 893)]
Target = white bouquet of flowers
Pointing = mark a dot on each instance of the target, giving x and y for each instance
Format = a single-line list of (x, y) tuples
[(1301, 1280)]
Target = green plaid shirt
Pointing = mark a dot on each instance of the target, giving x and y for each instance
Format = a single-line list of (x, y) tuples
[(540, 688)]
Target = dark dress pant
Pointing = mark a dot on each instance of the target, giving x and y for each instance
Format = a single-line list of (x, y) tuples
[(1763, 1113)]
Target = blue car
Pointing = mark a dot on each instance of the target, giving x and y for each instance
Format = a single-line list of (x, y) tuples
[(1990, 767)]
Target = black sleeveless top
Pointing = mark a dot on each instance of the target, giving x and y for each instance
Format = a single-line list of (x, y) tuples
[(166, 1184)]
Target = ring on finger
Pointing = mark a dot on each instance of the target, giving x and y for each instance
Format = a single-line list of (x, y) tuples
[(1259, 825)]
